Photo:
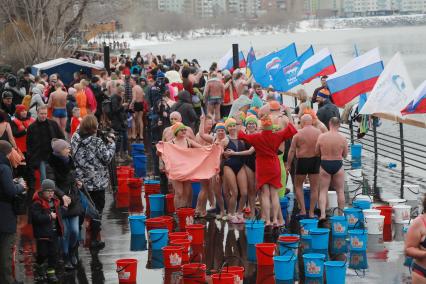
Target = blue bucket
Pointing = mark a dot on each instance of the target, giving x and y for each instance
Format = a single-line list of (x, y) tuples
[(251, 253), (288, 248), (151, 181), (139, 163), (314, 264), (339, 226), (358, 240), (153, 214), (158, 238), (358, 260), (284, 207), (306, 243), (354, 217), (339, 245), (306, 225), (284, 267), (255, 231), (362, 204), (307, 197), (319, 238), (356, 150), (138, 149), (137, 224), (137, 242), (156, 202), (196, 188), (355, 165), (157, 259), (335, 272)]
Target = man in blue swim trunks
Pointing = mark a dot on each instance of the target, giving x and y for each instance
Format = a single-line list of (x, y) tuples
[(58, 103)]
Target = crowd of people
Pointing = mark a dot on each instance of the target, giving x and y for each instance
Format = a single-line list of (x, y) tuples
[(65, 137)]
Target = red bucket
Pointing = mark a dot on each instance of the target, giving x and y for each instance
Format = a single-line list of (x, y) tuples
[(266, 275), (156, 223), (127, 270), (196, 233), (172, 256), (185, 244), (186, 217), (178, 236), (135, 187), (265, 253), (387, 212), (173, 276), (121, 200), (169, 221), (170, 205), (223, 278), (238, 271), (194, 273), (122, 185)]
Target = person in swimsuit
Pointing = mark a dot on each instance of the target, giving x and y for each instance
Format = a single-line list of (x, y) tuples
[(182, 189), (415, 246), (307, 163), (176, 117), (58, 103), (250, 164), (332, 147), (213, 95), (234, 173), (137, 106)]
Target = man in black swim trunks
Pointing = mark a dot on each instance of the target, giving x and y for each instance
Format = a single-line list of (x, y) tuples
[(137, 106), (307, 163), (332, 147)]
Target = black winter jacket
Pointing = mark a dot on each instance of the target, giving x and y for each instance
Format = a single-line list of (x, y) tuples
[(185, 108), (41, 220), (118, 113), (327, 111)]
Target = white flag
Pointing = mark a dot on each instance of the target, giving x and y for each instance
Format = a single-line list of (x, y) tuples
[(393, 90)]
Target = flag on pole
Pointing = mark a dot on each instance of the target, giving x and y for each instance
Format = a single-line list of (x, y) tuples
[(319, 64), (393, 90), (226, 62), (251, 56), (285, 76), (263, 67), (418, 105), (355, 78)]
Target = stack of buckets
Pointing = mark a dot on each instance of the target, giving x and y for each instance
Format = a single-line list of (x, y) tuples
[(137, 230), (356, 151), (139, 159), (124, 174), (151, 187)]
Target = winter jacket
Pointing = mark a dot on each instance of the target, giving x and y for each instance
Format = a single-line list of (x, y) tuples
[(19, 130), (39, 140), (185, 108), (8, 191), (92, 157), (36, 102), (327, 111), (63, 173), (118, 114), (42, 222)]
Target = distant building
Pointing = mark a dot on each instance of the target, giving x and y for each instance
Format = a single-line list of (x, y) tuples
[(383, 7), (323, 8), (174, 6)]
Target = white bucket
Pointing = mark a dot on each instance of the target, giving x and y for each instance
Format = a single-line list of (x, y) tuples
[(396, 201), (363, 197), (369, 212), (374, 224), (411, 191), (332, 200), (402, 213)]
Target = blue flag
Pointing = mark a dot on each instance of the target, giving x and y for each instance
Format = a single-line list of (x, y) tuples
[(264, 67), (251, 57), (285, 76)]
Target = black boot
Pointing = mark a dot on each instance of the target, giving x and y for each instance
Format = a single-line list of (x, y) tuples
[(67, 262), (74, 256)]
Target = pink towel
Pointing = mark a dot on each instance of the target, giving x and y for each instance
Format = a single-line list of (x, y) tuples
[(190, 164)]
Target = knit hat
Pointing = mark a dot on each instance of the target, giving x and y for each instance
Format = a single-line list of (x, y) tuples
[(266, 122), (178, 126), (5, 147), (274, 106), (7, 94), (251, 119), (48, 184), (230, 121), (58, 145), (253, 111), (242, 115), (219, 125), (324, 93), (19, 109)]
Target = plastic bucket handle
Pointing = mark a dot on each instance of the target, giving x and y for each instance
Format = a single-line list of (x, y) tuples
[(371, 200)]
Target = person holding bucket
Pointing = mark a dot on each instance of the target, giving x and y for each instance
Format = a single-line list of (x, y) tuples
[(415, 246), (332, 147), (268, 170)]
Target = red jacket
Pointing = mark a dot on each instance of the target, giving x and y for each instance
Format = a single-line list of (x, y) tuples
[(41, 219), (19, 129)]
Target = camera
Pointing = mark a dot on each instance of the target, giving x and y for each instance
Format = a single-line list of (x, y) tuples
[(106, 135)]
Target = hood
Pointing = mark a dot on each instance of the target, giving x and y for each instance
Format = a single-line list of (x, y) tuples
[(185, 97)]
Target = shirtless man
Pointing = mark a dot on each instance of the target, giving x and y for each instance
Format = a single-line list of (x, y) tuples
[(307, 163), (168, 133), (213, 96), (332, 147), (137, 106), (58, 103)]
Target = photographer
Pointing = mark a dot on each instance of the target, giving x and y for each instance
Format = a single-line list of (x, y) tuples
[(8, 192), (92, 156)]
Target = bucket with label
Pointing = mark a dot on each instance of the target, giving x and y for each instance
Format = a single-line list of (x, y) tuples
[(375, 224), (339, 226), (354, 217), (402, 213), (172, 256), (358, 240), (314, 265), (306, 225), (127, 270)]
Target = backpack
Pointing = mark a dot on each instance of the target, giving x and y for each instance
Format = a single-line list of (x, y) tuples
[(107, 107)]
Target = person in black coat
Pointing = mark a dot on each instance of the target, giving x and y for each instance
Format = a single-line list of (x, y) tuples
[(39, 138), (186, 109), (8, 192), (119, 122), (60, 168), (326, 109)]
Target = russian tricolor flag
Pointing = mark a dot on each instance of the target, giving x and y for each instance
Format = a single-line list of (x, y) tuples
[(226, 62), (418, 105), (355, 78), (319, 64)]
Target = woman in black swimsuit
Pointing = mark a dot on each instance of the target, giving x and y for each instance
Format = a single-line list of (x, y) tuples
[(415, 246), (250, 164)]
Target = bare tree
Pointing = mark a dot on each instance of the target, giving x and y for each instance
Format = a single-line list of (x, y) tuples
[(39, 30)]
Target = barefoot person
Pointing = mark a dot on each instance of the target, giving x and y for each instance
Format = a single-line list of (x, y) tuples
[(213, 95), (58, 104), (332, 147), (307, 163), (137, 106), (168, 132), (268, 171)]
